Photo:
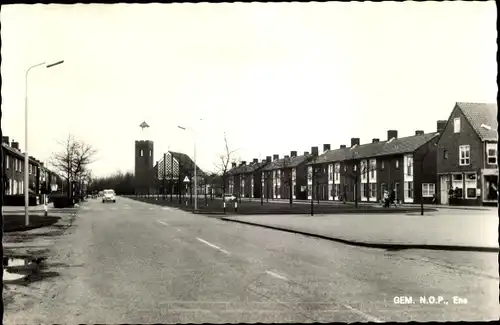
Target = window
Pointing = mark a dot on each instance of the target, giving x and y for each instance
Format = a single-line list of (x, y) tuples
[(309, 191), (373, 167), (7, 161), (397, 163), (445, 154), (355, 167), (142, 153), (330, 172), (309, 174), (336, 190), (408, 190), (29, 169), (364, 172), (456, 125), (345, 167), (457, 184), (364, 189), (470, 185), (382, 166), (491, 153), (464, 155), (330, 192), (150, 153), (373, 190), (337, 172), (428, 189), (409, 166)]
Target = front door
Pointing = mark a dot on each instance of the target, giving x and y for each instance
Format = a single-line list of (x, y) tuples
[(445, 188), (490, 188)]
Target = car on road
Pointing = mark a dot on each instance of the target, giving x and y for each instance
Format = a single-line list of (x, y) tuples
[(108, 196), (229, 198)]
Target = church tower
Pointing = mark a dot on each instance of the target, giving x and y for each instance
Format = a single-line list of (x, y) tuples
[(144, 164)]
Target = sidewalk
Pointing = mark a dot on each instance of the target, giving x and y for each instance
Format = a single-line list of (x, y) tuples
[(34, 208), (413, 205), (438, 230)]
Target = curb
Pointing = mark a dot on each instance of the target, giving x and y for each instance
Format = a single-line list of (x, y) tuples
[(374, 245)]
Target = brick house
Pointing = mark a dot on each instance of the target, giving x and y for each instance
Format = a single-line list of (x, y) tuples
[(364, 172), (13, 173), (286, 176), (467, 157), (233, 179), (250, 178)]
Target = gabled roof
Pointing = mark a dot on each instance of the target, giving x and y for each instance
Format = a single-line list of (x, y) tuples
[(186, 163), (252, 167), (290, 162), (479, 114), (378, 149), (19, 154), (235, 170)]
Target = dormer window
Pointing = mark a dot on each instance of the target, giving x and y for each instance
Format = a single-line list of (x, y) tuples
[(487, 127), (390, 140)]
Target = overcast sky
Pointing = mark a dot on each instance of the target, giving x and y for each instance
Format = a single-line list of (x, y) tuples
[(274, 77)]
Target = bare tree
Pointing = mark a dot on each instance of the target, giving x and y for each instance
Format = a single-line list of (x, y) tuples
[(73, 159), (223, 166)]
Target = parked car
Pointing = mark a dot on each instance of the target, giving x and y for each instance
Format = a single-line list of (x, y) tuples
[(108, 196)]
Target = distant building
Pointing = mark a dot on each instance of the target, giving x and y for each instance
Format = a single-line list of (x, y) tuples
[(173, 169)]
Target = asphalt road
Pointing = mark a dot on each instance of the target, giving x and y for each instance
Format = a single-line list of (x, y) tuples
[(132, 262)]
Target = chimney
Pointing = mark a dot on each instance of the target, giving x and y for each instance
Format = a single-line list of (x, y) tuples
[(314, 150), (326, 147), (276, 157), (343, 146), (5, 140), (264, 161), (293, 153), (306, 153), (375, 140), (419, 132), (354, 141), (243, 163), (15, 145), (255, 161), (286, 157), (269, 159), (441, 124), (392, 134), (233, 164)]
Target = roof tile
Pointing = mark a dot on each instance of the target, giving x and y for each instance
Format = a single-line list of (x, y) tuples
[(479, 114)]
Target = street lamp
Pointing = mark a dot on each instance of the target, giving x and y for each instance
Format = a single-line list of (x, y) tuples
[(195, 178), (26, 156)]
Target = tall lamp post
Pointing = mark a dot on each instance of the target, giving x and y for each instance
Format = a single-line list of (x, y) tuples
[(195, 178), (26, 156)]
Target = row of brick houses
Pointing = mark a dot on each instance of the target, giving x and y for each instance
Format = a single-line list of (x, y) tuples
[(462, 151), (41, 179)]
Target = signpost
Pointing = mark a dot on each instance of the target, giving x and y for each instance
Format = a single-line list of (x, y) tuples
[(186, 181)]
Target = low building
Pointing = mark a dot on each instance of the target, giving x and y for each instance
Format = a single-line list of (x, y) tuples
[(468, 157)]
